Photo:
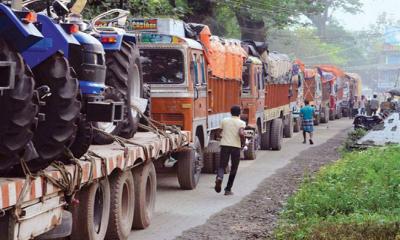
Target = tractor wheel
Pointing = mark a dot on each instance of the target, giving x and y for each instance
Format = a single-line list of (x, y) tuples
[(18, 110), (145, 195), (297, 125), (189, 166), (62, 108), (122, 205), (124, 73), (91, 215), (288, 127), (147, 112), (83, 138), (276, 134)]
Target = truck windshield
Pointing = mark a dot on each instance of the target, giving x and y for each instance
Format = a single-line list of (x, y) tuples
[(162, 66)]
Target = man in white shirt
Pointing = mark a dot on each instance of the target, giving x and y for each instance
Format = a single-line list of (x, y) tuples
[(231, 143)]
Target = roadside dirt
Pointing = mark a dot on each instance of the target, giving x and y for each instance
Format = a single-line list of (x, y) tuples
[(256, 215)]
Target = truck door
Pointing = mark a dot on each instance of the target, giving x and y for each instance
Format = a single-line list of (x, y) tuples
[(199, 78)]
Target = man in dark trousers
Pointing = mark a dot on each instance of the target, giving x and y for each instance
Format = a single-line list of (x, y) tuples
[(307, 113), (231, 143)]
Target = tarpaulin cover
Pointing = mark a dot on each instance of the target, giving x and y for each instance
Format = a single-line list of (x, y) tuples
[(279, 67)]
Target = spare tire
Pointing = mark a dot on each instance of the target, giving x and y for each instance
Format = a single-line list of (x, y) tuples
[(62, 108), (124, 74), (18, 110)]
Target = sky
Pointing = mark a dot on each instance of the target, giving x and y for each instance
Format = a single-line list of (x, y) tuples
[(371, 10)]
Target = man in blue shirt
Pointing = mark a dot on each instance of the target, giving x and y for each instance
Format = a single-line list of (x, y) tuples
[(307, 113)]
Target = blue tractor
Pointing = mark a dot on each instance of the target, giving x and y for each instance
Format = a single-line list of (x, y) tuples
[(17, 86)]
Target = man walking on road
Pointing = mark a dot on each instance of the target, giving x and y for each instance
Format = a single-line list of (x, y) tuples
[(231, 143), (307, 113)]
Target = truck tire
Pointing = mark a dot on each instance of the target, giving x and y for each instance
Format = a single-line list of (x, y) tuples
[(217, 160), (325, 117), (62, 109), (266, 138), (276, 134), (145, 195), (317, 119), (288, 127), (91, 216), (122, 205), (189, 169), (124, 73), (339, 114), (18, 111), (297, 125), (251, 153), (208, 166), (332, 115)]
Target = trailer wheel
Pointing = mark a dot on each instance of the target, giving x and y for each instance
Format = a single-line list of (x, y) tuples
[(251, 153), (325, 117), (266, 137), (91, 216), (145, 195), (124, 73), (61, 111), (122, 205), (189, 166), (276, 134), (18, 110), (297, 125), (288, 127), (208, 163), (317, 119)]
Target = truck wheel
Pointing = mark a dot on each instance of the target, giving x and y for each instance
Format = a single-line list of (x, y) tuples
[(122, 206), (145, 195), (325, 117), (288, 127), (124, 73), (251, 153), (18, 110), (297, 125), (83, 138), (99, 138), (339, 114), (208, 161), (317, 119), (61, 110), (266, 138), (91, 216), (276, 134), (189, 166), (217, 160)]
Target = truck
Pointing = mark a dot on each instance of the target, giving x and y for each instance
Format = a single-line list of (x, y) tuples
[(297, 98), (332, 92), (352, 88), (313, 91)]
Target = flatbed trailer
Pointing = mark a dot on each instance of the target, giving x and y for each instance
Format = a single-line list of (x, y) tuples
[(36, 205)]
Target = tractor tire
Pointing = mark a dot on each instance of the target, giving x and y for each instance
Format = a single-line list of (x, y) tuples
[(251, 152), (317, 120), (99, 138), (62, 109), (288, 127), (325, 118), (91, 215), (266, 138), (145, 195), (147, 112), (276, 134), (208, 163), (83, 138), (122, 205), (18, 111), (124, 73), (189, 166), (297, 125)]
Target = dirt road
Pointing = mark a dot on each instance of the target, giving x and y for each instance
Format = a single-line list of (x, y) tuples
[(178, 211)]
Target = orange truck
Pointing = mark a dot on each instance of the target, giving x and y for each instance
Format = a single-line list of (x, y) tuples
[(297, 97), (332, 92), (312, 91)]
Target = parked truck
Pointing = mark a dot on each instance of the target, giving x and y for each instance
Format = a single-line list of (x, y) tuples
[(313, 91), (297, 98)]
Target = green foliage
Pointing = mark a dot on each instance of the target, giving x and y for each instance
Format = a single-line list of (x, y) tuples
[(352, 138), (358, 197)]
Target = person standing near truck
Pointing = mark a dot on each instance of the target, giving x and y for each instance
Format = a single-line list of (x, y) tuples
[(374, 104), (363, 103), (232, 141), (307, 113)]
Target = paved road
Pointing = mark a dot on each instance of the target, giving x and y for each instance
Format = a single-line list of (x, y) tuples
[(178, 210)]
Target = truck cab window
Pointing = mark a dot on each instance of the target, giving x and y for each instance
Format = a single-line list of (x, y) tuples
[(194, 68), (246, 79), (203, 71), (162, 66)]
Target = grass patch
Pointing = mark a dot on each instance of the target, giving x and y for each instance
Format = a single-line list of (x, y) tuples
[(352, 138), (358, 197)]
